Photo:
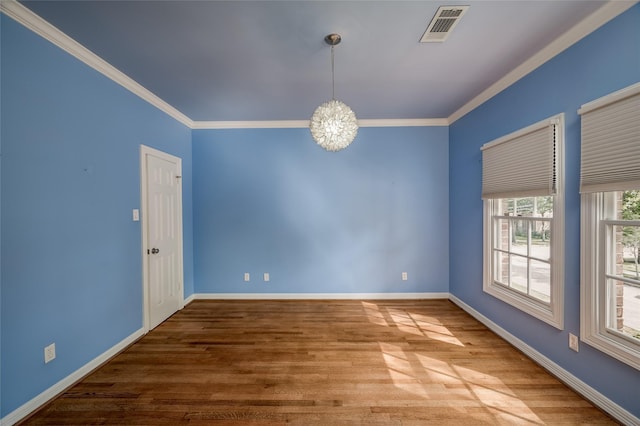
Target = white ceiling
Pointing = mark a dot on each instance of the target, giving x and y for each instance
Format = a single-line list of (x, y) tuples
[(266, 60)]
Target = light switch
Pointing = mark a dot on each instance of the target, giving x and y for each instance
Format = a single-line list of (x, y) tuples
[(136, 215)]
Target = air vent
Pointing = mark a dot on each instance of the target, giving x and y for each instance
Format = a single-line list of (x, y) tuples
[(443, 22)]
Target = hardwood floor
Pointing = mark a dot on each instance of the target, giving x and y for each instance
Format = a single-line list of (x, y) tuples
[(320, 362)]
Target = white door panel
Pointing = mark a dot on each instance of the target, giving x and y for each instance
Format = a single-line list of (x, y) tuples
[(163, 236)]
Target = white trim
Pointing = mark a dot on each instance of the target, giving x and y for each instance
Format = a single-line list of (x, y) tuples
[(591, 394), (35, 23), (315, 296), (590, 215), (143, 242), (301, 124), (266, 124), (621, 94), (404, 122), (588, 25), (30, 406), (144, 220)]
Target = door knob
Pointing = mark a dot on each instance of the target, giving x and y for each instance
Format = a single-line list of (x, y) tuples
[(155, 251)]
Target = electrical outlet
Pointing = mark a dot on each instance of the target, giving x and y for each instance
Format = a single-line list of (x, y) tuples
[(266, 276), (247, 277), (573, 342), (405, 276), (49, 353)]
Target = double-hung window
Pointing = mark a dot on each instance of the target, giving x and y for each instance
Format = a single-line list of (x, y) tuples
[(610, 224), (522, 189)]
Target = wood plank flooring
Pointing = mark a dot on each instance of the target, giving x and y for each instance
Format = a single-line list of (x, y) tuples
[(416, 362)]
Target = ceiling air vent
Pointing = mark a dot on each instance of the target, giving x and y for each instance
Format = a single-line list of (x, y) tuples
[(443, 22)]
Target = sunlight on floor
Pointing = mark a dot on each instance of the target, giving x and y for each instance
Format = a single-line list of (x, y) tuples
[(432, 378), (417, 324), (435, 379), (374, 314)]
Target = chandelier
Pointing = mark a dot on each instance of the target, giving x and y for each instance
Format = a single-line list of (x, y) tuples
[(333, 124)]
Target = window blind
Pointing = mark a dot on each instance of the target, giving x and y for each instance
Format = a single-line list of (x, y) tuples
[(521, 164), (611, 142)]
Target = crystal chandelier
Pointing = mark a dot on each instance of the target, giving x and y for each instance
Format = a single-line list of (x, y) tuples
[(333, 124)]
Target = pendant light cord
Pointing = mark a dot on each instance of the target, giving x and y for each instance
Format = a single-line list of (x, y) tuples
[(333, 78)]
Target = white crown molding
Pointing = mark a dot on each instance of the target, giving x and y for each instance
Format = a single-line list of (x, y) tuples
[(314, 296), (301, 124), (30, 406), (601, 401), (266, 124), (404, 122), (30, 20), (588, 25)]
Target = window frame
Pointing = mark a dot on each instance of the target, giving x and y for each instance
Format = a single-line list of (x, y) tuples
[(599, 212), (551, 313)]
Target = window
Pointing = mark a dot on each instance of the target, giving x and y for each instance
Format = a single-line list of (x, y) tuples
[(610, 225), (521, 250), (522, 188)]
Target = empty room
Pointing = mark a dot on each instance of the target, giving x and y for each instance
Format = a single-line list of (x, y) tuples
[(319, 212)]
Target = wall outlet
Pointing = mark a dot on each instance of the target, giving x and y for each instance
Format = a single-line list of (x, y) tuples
[(573, 342), (266, 276), (405, 276), (247, 277), (49, 353)]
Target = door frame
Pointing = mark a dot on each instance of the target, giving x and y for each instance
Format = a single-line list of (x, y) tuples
[(144, 152)]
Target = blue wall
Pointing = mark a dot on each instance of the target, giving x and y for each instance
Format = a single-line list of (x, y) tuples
[(263, 201), (71, 254), (603, 62), (321, 222)]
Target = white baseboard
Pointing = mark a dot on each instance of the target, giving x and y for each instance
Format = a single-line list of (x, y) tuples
[(30, 406), (314, 296), (598, 399)]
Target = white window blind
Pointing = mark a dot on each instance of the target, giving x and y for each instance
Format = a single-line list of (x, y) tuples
[(611, 142), (521, 164)]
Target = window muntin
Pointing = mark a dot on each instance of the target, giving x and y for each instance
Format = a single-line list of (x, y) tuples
[(522, 245)]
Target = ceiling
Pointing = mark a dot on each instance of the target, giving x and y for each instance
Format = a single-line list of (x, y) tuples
[(266, 60)]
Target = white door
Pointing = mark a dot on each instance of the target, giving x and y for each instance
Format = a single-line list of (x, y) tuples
[(162, 241)]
